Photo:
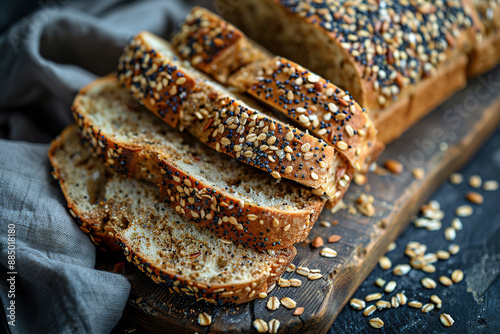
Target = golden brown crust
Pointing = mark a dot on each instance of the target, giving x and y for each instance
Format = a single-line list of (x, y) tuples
[(215, 293), (221, 212), (217, 119), (214, 46)]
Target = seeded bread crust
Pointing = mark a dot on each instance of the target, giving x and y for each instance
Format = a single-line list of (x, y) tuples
[(486, 53), (158, 241), (215, 117), (225, 49), (272, 80), (366, 61), (221, 209)]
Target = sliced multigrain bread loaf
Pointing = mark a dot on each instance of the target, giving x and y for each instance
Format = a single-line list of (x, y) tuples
[(153, 236), (233, 200), (185, 98), (311, 101), (379, 51)]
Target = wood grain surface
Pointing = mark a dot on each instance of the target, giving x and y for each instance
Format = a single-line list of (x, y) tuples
[(440, 144)]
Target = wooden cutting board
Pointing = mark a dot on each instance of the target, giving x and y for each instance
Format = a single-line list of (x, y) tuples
[(440, 144)]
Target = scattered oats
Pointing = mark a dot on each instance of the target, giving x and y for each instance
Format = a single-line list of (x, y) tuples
[(394, 302), (428, 283), (456, 223), (262, 295), (303, 271), (274, 325), (373, 296), (390, 287), (401, 298), (450, 233), (298, 311), (290, 268), (391, 247), (376, 323), (490, 185), (454, 249), (434, 226), (317, 242), (456, 178), (273, 303), (325, 223), (385, 263), (446, 281), (382, 304), (364, 204), (457, 276), (446, 319), (475, 181), (380, 282), (427, 308), (429, 268), (260, 325), (357, 304), (393, 166), (430, 258), (369, 310), (289, 303), (436, 300), (360, 179), (401, 269), (474, 197), (418, 173), (283, 283), (328, 252), (443, 255), (295, 282), (204, 319), (415, 304), (314, 276)]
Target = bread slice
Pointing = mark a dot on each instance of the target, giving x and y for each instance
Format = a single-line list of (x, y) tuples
[(302, 96), (235, 201), (160, 242), (365, 48), (185, 98)]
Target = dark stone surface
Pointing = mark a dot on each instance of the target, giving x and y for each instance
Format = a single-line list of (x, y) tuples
[(473, 303)]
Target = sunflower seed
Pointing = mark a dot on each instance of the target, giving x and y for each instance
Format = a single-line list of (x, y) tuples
[(429, 268), (391, 247), (295, 282), (373, 296), (427, 308), (376, 323), (446, 281), (260, 325), (454, 249), (288, 303), (456, 223), (428, 283), (474, 197), (204, 319), (443, 255), (274, 325), (490, 185), (390, 286), (401, 269), (357, 304), (446, 319), (457, 276), (298, 311), (369, 310), (273, 303), (262, 295)]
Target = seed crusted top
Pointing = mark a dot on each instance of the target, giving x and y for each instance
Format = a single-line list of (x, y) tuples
[(394, 43), (205, 40)]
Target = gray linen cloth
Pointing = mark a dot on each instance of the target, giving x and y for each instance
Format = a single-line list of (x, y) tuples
[(44, 60)]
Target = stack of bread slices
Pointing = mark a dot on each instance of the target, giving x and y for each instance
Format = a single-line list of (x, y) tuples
[(207, 159)]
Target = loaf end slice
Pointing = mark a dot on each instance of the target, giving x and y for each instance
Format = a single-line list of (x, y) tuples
[(169, 249)]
